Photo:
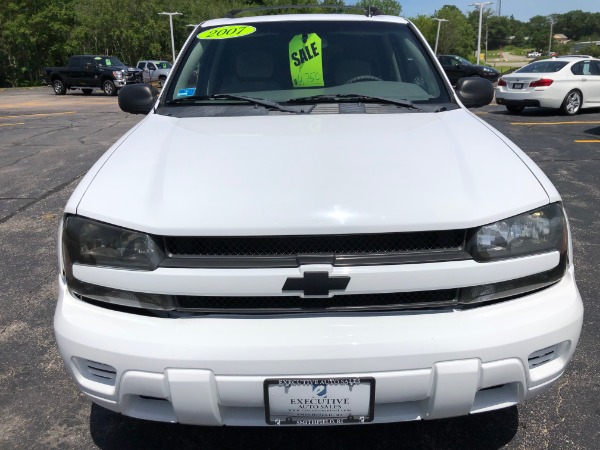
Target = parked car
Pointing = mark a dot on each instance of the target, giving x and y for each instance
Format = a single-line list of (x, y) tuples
[(89, 72), (534, 54), (155, 71), (310, 228), (457, 67), (565, 83)]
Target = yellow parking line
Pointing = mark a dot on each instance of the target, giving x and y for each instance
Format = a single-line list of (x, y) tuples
[(39, 114), (11, 124), (592, 122), (587, 141)]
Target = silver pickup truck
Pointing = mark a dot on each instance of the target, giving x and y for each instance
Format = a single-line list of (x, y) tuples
[(155, 71)]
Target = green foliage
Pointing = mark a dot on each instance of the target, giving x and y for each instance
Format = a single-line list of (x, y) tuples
[(31, 34), (34, 34), (592, 50), (457, 35), (428, 27)]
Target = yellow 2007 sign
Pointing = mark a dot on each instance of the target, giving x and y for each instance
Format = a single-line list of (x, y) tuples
[(306, 60), (228, 32)]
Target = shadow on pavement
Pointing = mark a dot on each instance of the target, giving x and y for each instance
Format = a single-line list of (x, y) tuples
[(491, 430)]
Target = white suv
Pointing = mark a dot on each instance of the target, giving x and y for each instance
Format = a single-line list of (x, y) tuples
[(309, 227)]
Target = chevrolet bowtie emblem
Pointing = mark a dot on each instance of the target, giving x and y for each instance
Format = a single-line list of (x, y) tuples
[(316, 283)]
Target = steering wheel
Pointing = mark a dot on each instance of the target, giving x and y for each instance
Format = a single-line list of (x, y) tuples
[(363, 78)]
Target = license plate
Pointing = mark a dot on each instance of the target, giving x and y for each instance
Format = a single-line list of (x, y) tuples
[(319, 401), (517, 85)]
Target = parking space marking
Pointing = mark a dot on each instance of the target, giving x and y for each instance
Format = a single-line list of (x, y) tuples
[(587, 141), (591, 122), (11, 124), (39, 114)]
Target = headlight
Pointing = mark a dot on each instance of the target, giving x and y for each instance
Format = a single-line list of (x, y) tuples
[(98, 244), (118, 74), (538, 231), (88, 242)]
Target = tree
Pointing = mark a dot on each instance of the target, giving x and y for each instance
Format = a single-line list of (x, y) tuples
[(458, 34), (428, 28), (539, 31), (32, 34)]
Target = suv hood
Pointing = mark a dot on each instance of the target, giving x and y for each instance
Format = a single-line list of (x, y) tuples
[(309, 174)]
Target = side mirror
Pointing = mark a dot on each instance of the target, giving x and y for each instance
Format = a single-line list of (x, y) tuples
[(137, 98), (474, 92)]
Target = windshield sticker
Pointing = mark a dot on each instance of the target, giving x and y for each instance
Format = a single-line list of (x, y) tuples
[(188, 92), (227, 32), (306, 60), (108, 62)]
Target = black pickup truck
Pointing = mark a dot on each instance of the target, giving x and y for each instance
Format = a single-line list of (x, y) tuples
[(87, 72)]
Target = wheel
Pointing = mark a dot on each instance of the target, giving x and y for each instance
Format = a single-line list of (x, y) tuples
[(59, 87), (161, 80), (363, 78), (109, 87), (514, 108), (572, 103), (87, 91)]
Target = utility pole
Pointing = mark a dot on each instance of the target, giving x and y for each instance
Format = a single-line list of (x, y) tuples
[(487, 20), (551, 19), (437, 36), (171, 14), (480, 5)]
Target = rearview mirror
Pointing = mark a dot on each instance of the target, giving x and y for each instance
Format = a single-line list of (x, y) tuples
[(474, 92)]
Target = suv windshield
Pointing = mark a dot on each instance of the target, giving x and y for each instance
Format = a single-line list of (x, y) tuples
[(316, 61)]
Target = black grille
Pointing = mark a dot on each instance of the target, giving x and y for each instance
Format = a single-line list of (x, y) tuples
[(133, 76), (316, 245), (289, 304)]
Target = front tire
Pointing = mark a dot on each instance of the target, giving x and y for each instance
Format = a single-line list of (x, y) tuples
[(162, 80), (572, 103), (514, 109), (109, 88), (59, 87)]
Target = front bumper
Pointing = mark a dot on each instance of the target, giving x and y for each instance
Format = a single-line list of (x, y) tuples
[(210, 370)]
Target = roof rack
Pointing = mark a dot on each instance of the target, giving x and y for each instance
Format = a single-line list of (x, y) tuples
[(369, 11)]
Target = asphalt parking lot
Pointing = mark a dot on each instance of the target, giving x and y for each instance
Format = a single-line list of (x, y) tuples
[(48, 142)]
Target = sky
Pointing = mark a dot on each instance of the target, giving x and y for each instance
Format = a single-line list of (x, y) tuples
[(522, 10)]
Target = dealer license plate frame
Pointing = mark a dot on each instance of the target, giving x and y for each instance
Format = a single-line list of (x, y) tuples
[(364, 413)]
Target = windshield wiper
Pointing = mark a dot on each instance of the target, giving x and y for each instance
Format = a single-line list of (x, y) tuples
[(357, 97), (256, 101)]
